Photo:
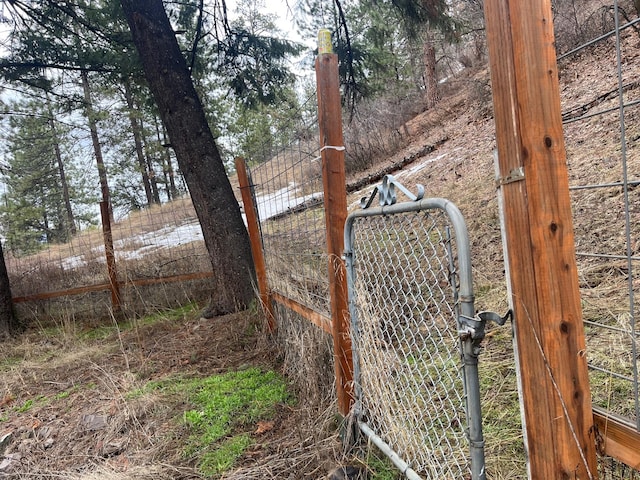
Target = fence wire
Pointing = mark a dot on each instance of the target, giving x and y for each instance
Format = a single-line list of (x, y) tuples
[(412, 384), (161, 262), (288, 194), (606, 203)]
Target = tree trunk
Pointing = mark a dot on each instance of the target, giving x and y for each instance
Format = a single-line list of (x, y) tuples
[(167, 166), (97, 149), (106, 210), (430, 79), (136, 129), (198, 156), (153, 181), (8, 321), (71, 222)]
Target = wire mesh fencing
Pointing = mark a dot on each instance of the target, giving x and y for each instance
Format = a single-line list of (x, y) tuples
[(415, 337), (605, 202), (604, 167), (160, 257), (288, 195)]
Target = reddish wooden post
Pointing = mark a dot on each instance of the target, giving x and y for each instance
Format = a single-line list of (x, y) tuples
[(256, 242), (335, 204), (538, 229), (110, 256)]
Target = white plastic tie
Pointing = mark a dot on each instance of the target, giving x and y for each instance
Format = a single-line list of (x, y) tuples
[(333, 147)]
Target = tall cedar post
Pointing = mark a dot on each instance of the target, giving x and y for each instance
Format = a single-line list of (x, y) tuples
[(335, 204), (256, 243), (538, 233)]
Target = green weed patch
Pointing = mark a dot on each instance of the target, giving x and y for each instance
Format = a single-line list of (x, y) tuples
[(226, 410)]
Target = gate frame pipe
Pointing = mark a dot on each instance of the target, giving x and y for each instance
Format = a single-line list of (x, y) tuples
[(467, 320)]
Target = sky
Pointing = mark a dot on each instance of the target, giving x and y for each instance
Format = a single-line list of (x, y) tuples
[(281, 8)]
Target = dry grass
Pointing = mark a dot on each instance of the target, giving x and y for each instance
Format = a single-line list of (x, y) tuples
[(298, 163), (148, 245), (50, 402)]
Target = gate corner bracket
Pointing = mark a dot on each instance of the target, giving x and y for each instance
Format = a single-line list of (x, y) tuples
[(386, 192)]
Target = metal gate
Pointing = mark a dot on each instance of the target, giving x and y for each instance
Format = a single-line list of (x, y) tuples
[(415, 334)]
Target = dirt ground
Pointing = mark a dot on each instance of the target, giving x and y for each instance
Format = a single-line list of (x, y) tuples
[(66, 407)]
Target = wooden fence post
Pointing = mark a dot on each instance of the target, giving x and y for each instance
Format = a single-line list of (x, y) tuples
[(335, 204), (256, 242), (538, 231), (107, 235)]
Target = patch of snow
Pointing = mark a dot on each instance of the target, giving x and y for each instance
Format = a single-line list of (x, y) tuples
[(70, 263), (138, 246), (419, 166), (279, 202), (165, 237)]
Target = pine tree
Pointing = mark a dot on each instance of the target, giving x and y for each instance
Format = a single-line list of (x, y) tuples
[(33, 207), (92, 40)]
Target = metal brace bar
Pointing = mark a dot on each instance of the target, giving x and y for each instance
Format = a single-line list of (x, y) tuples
[(516, 175)]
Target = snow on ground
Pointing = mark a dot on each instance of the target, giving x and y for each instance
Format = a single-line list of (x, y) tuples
[(138, 246), (166, 237), (403, 177), (409, 172), (279, 202)]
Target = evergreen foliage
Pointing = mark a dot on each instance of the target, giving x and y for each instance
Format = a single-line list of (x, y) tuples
[(81, 56), (33, 204)]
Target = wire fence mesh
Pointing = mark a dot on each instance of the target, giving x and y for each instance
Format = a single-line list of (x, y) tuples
[(162, 243), (411, 383), (605, 203), (160, 258), (288, 194)]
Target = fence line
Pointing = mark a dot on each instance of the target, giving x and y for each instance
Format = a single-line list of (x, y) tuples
[(303, 243), (161, 262), (296, 275), (607, 234), (289, 196)]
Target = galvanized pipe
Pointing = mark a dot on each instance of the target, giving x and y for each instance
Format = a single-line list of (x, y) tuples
[(386, 449)]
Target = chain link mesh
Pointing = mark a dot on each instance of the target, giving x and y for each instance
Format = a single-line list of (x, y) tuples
[(409, 377)]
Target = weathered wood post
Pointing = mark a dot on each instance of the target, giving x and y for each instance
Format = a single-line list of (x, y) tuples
[(538, 231), (335, 204), (256, 242)]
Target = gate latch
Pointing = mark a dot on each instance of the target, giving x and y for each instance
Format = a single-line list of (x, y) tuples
[(474, 327), (486, 316)]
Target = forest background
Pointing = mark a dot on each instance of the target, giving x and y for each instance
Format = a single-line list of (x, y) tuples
[(82, 128)]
